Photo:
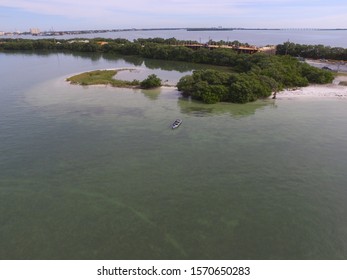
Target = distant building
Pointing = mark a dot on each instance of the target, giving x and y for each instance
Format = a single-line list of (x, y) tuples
[(2, 33), (35, 31), (268, 49), (101, 43)]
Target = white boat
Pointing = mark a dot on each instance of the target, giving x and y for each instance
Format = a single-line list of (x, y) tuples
[(176, 123)]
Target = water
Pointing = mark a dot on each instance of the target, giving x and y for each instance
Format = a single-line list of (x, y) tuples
[(97, 173), (334, 38)]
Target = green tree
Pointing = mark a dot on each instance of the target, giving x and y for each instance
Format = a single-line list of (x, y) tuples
[(186, 85), (241, 92), (152, 81)]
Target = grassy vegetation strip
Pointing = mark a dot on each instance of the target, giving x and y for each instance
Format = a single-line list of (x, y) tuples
[(101, 77)]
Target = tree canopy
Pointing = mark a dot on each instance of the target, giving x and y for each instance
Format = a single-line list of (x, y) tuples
[(312, 51), (151, 81), (255, 76)]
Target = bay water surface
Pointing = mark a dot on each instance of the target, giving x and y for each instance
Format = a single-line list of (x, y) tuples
[(97, 173), (258, 37)]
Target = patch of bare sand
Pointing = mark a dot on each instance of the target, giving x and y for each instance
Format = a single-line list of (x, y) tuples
[(333, 90)]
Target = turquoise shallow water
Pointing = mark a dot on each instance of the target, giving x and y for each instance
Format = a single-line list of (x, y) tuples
[(97, 173)]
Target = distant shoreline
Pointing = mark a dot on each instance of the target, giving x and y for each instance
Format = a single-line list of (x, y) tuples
[(97, 31)]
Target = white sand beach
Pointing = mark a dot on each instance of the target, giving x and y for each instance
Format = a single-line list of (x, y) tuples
[(333, 90)]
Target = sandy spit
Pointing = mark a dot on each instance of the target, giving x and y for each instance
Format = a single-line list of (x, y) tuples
[(333, 90)]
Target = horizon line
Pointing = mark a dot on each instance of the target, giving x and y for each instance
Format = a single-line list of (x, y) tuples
[(180, 28)]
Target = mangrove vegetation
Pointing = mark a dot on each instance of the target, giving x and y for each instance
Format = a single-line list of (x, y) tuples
[(152, 81), (256, 77), (312, 51), (248, 78)]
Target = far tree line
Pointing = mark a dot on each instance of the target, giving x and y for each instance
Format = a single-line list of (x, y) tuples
[(159, 47), (312, 51)]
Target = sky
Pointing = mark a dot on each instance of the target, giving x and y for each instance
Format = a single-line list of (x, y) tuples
[(58, 15)]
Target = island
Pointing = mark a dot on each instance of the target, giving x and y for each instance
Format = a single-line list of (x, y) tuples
[(250, 75), (106, 77)]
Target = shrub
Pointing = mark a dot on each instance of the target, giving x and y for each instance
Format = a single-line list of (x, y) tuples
[(152, 81)]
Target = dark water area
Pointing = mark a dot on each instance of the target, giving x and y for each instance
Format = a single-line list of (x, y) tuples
[(97, 173)]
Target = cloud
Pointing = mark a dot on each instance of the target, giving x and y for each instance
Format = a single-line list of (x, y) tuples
[(92, 8), (183, 13), (66, 8)]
